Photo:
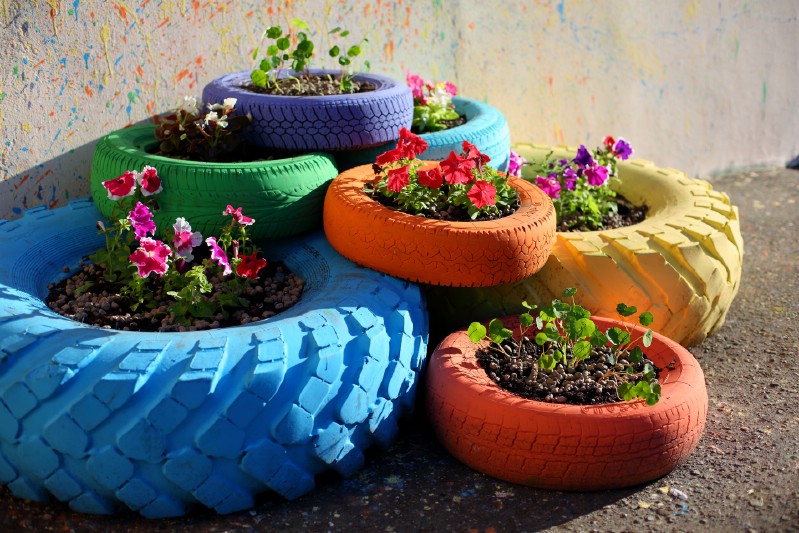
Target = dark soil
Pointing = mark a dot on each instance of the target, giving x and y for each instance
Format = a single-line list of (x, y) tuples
[(450, 213), (275, 290), (310, 85), (592, 381), (245, 153), (627, 215)]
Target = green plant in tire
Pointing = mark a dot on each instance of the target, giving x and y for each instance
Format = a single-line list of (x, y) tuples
[(580, 187), (141, 266), (296, 51), (188, 133), (432, 104), (567, 336)]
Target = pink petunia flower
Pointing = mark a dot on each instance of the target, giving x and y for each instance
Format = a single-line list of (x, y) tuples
[(120, 187), (151, 256), (219, 255), (596, 175), (240, 219), (149, 181), (416, 83), (457, 169), (432, 178), (549, 185), (185, 240), (250, 265), (515, 164), (142, 221), (451, 89), (397, 179), (482, 194)]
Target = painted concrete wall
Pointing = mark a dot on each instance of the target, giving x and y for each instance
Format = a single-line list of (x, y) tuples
[(700, 86)]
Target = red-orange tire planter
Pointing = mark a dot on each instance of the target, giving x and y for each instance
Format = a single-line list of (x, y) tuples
[(460, 254), (565, 447)]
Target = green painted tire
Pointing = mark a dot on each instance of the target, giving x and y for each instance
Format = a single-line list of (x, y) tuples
[(284, 196), (682, 263)]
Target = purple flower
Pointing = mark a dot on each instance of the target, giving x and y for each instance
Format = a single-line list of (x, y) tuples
[(622, 149), (142, 220), (549, 185), (569, 178), (596, 175), (583, 157), (515, 164), (219, 255)]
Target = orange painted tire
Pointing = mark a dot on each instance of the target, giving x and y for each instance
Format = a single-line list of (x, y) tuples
[(461, 254), (565, 447)]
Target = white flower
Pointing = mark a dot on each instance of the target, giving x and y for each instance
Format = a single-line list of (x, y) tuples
[(189, 105), (222, 122), (229, 103), (440, 96), (211, 117)]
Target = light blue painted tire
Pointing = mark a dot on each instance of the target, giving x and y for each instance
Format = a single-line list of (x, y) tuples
[(486, 128), (159, 423)]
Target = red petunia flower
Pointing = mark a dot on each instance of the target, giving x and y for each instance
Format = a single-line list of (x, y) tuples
[(482, 194), (409, 144), (397, 179), (391, 156), (432, 178), (457, 169), (250, 265), (122, 186), (609, 141), (474, 154)]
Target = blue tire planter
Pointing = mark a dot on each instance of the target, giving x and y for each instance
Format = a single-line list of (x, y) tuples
[(319, 123), (486, 128), (158, 423)]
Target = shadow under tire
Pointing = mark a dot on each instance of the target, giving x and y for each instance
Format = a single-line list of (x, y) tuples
[(160, 423)]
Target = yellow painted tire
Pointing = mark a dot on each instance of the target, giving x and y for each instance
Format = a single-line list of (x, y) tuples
[(682, 263)]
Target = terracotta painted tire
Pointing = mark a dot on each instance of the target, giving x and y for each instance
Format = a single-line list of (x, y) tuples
[(564, 447), (319, 123), (164, 423), (486, 128), (284, 196), (465, 254), (682, 263)]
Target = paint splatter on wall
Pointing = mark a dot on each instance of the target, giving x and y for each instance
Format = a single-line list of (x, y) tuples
[(695, 86)]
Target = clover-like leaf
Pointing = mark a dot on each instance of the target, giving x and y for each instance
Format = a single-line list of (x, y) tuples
[(584, 328), (582, 350), (624, 310), (547, 362), (571, 291), (646, 318), (647, 340), (636, 355), (476, 332), (273, 32), (525, 320), (541, 338)]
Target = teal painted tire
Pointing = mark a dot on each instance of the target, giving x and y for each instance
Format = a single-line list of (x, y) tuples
[(284, 196), (486, 128), (160, 423)]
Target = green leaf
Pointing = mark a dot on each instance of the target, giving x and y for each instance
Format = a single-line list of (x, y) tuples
[(598, 339), (541, 338), (571, 291), (258, 78), (255, 53), (497, 332), (283, 43), (300, 24), (584, 328), (335, 30), (580, 312), (301, 37), (646, 318), (334, 51), (273, 32), (354, 51), (618, 336), (547, 362), (367, 66), (625, 391), (623, 310), (648, 338), (344, 60), (476, 332), (636, 355), (304, 48), (272, 50), (528, 306), (525, 320), (345, 33), (582, 350)]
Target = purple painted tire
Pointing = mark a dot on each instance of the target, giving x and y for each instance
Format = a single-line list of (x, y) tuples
[(319, 123)]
